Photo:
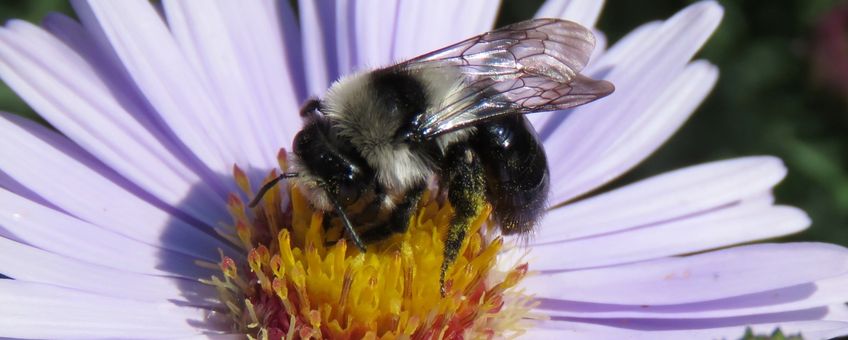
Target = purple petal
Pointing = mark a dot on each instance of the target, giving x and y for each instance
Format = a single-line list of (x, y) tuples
[(375, 38), (814, 329), (346, 38), (238, 48), (826, 313), (469, 18), (102, 59), (799, 297), (661, 120), (25, 263), (584, 12), (318, 33), (640, 77), (134, 30), (61, 234), (725, 227), (424, 26), (64, 89), (40, 311), (670, 196), (407, 42), (703, 277), (91, 192)]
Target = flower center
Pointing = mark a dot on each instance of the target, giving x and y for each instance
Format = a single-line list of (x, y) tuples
[(301, 279)]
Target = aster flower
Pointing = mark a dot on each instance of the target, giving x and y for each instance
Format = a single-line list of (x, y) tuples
[(130, 222)]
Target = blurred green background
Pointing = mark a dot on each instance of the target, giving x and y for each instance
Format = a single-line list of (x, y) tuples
[(783, 91)]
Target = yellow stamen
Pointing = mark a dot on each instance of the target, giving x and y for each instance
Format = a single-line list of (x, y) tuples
[(301, 280), (241, 180)]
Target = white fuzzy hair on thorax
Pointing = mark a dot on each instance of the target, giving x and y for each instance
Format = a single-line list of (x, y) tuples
[(371, 129)]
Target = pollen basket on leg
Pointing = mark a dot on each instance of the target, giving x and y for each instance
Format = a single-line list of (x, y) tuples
[(301, 279)]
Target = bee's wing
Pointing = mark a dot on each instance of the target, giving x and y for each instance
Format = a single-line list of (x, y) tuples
[(530, 66)]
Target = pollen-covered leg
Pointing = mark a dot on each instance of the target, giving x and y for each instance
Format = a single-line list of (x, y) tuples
[(465, 178)]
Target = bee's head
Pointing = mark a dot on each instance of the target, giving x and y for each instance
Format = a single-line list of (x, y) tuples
[(330, 169)]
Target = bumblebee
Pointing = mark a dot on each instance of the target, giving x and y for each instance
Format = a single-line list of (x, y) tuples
[(369, 148)]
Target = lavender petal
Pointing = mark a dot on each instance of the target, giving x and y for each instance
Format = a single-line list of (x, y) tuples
[(26, 263), (238, 48), (33, 310), (61, 173), (584, 12), (62, 234), (798, 297), (133, 30), (703, 277), (722, 228), (639, 76), (670, 196), (64, 89)]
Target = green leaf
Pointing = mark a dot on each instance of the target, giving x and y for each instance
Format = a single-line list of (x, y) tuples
[(776, 335)]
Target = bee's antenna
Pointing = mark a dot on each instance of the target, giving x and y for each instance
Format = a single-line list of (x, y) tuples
[(264, 189)]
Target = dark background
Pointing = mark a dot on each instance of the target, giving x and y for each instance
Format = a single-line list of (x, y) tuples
[(783, 91)]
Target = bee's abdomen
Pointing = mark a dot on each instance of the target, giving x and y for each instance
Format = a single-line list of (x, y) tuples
[(516, 170)]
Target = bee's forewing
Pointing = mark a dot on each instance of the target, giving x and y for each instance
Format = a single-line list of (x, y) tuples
[(530, 66)]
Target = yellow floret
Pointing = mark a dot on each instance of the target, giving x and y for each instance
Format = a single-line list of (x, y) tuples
[(295, 285)]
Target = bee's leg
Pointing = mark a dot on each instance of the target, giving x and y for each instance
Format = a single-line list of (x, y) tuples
[(399, 219), (348, 227), (466, 183), (371, 212), (327, 221)]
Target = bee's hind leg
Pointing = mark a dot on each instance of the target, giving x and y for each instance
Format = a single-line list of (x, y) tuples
[(465, 178)]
